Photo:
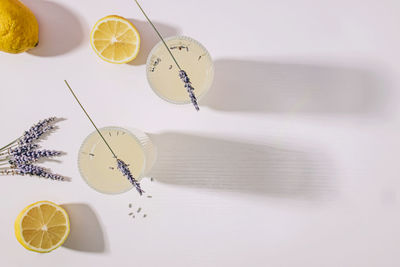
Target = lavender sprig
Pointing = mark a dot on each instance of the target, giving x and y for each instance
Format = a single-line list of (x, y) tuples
[(19, 150), (32, 156), (30, 169), (189, 88), (45, 153), (36, 131), (10, 172), (123, 167), (182, 74)]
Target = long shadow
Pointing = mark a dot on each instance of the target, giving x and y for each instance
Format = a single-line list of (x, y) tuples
[(60, 30), (217, 164), (86, 233), (256, 86), (149, 38)]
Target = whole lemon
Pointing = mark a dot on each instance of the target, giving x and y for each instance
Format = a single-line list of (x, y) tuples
[(19, 29)]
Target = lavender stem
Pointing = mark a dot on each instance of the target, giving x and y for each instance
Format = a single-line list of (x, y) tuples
[(5, 147), (76, 98), (158, 33)]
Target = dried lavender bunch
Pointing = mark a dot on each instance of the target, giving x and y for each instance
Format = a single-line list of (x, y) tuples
[(123, 167), (189, 88), (182, 74), (22, 152)]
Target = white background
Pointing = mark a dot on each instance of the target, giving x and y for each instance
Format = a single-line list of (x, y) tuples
[(293, 159)]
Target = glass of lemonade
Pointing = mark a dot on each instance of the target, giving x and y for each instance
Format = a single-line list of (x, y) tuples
[(98, 167), (163, 74)]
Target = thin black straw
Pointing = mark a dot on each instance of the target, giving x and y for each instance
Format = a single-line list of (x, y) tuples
[(72, 92)]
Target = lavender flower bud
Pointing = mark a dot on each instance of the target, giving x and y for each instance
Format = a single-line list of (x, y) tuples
[(42, 153), (36, 131), (22, 149), (32, 156), (189, 88), (34, 170), (123, 167)]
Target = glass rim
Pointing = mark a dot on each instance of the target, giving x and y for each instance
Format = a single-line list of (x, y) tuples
[(140, 176), (188, 101)]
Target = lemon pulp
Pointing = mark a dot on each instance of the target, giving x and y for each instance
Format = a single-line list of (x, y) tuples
[(115, 39), (42, 226)]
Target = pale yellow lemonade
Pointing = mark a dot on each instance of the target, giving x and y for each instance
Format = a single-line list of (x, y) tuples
[(98, 167), (163, 74)]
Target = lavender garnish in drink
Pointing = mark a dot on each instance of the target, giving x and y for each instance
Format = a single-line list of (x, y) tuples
[(17, 157), (189, 88), (122, 166), (182, 74)]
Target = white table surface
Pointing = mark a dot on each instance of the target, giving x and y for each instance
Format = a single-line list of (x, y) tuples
[(292, 161)]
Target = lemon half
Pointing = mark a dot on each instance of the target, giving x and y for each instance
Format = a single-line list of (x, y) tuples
[(42, 226), (115, 39)]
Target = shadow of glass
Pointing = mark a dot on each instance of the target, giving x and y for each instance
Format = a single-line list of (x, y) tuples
[(149, 38), (60, 30), (255, 86), (86, 233), (217, 164)]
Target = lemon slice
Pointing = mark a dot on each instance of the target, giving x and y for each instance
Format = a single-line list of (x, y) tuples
[(42, 226), (115, 39)]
